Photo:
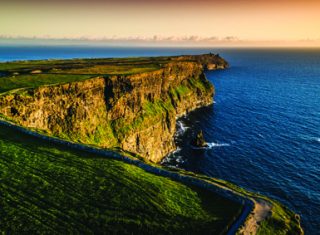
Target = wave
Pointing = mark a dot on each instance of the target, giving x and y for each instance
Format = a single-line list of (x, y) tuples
[(179, 159), (173, 160), (212, 145), (177, 150), (171, 156), (313, 139), (181, 128)]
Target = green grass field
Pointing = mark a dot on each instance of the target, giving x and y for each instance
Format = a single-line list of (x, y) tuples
[(37, 80), (45, 188), (31, 74)]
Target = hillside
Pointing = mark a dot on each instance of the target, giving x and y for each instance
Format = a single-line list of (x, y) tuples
[(46, 188)]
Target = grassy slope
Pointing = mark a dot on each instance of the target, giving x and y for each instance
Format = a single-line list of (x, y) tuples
[(47, 189)]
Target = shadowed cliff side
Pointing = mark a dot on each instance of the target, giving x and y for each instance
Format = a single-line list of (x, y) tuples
[(134, 112)]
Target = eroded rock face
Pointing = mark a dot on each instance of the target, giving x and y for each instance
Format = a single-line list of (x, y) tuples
[(134, 112)]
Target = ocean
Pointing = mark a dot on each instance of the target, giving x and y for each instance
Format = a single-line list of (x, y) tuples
[(263, 129)]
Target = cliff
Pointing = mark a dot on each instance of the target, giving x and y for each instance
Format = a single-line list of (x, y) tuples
[(135, 112)]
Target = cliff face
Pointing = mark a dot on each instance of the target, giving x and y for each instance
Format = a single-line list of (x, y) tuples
[(134, 112)]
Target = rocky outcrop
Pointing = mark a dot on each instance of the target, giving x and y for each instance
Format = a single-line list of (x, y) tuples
[(136, 113), (199, 141), (208, 61)]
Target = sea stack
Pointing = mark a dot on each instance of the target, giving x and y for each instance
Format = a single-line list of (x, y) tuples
[(199, 141)]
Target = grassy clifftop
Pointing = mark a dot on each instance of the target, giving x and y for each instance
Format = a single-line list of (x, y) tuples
[(35, 73)]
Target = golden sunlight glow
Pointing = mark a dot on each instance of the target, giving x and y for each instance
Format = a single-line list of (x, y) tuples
[(296, 22)]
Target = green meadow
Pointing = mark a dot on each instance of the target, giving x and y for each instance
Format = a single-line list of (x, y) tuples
[(31, 74), (48, 189)]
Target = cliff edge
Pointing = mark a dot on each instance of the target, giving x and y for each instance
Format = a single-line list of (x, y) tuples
[(135, 112)]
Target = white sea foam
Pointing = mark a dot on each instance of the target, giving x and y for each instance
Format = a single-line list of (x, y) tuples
[(173, 160), (213, 145), (179, 159), (181, 128), (173, 157), (177, 150)]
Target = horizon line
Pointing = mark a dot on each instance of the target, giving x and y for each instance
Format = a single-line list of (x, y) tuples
[(159, 41)]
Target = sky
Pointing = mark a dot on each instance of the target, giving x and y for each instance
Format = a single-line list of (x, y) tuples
[(177, 22)]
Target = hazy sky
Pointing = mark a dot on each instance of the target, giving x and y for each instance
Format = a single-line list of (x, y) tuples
[(204, 22)]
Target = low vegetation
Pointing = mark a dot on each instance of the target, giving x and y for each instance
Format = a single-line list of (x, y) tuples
[(31, 74), (45, 188), (36, 80)]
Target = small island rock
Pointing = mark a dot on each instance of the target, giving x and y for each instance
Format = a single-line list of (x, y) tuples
[(199, 141)]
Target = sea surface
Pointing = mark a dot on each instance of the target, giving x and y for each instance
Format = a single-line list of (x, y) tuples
[(263, 129)]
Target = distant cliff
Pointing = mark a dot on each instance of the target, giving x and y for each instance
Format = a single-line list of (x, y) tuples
[(134, 112)]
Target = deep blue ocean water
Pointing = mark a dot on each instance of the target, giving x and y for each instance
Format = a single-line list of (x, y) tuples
[(263, 130)]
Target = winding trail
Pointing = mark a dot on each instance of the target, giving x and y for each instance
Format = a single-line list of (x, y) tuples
[(262, 210), (253, 211)]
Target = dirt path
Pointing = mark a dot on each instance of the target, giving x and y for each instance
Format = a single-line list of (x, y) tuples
[(261, 211)]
